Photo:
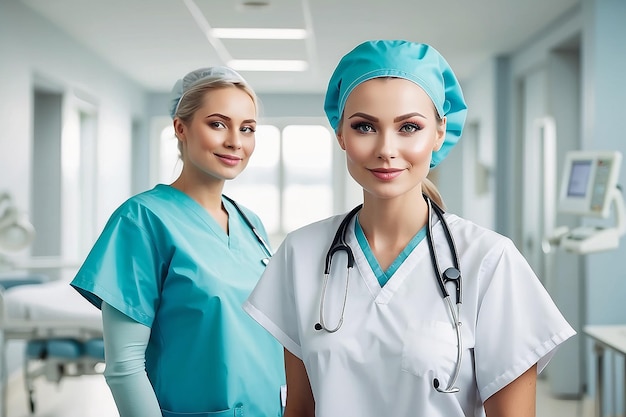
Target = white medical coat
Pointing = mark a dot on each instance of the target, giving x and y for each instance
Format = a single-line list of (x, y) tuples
[(396, 339)]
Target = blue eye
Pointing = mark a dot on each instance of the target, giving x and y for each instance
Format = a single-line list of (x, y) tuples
[(362, 127), (410, 128)]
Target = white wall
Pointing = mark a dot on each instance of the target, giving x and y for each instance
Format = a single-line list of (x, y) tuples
[(31, 48), (32, 51)]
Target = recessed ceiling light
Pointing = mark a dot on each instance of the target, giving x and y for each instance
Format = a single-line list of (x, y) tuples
[(255, 3), (268, 65), (258, 33)]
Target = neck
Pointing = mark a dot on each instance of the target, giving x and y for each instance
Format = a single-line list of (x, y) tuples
[(206, 193), (393, 221)]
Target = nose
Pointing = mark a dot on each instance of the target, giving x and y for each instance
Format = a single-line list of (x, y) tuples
[(386, 145), (233, 140)]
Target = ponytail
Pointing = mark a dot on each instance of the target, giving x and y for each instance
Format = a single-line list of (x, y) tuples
[(431, 192)]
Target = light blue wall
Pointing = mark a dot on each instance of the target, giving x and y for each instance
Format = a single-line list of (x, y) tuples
[(604, 91), (479, 137), (604, 63), (599, 23)]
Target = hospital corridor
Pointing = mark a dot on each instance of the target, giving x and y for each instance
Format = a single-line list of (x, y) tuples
[(399, 223)]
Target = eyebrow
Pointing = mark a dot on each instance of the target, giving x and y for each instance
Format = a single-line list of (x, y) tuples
[(395, 120), (228, 119)]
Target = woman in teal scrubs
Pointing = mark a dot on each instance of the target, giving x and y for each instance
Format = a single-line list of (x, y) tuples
[(173, 266)]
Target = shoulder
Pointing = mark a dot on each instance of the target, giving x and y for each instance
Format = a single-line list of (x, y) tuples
[(144, 207), (480, 243), (468, 231)]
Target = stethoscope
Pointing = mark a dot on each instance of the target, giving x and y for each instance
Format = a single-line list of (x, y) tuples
[(263, 243), (451, 274)]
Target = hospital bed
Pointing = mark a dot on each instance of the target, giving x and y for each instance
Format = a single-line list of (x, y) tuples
[(61, 330)]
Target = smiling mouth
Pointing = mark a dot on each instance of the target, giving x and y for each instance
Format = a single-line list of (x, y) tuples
[(386, 174), (230, 160)]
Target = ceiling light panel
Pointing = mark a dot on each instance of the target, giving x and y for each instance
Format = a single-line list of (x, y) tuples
[(266, 49), (268, 65), (258, 33)]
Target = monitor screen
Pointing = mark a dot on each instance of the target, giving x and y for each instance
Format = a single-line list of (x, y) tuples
[(579, 178), (589, 178)]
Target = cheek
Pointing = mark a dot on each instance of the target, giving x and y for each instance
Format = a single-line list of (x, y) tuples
[(249, 145), (419, 150), (360, 149)]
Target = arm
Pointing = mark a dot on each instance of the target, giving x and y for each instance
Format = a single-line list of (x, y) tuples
[(300, 402), (517, 399), (125, 342)]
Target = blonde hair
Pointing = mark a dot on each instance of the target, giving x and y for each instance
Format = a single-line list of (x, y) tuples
[(431, 191)]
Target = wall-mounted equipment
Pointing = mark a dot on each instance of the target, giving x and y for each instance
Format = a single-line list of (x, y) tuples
[(589, 189)]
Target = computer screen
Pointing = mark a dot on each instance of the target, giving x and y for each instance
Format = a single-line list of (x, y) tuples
[(589, 178)]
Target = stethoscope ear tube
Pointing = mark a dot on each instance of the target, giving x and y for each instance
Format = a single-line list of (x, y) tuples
[(451, 274), (339, 242), (266, 248)]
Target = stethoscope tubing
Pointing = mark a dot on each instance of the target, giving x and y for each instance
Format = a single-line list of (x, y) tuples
[(262, 242), (451, 274)]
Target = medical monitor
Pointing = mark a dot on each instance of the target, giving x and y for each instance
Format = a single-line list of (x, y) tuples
[(588, 183)]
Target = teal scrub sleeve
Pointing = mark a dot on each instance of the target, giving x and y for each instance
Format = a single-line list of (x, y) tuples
[(123, 269), (125, 342)]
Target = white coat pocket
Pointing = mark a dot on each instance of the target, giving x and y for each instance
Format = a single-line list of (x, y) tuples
[(430, 347)]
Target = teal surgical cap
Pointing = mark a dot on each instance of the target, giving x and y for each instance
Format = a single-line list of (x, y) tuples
[(200, 77), (416, 62)]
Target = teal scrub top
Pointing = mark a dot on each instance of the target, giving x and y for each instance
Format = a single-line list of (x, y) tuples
[(165, 262)]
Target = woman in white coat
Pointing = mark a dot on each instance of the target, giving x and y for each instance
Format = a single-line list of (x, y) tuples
[(378, 339)]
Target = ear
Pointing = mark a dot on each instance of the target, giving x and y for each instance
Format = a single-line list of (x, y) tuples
[(441, 134), (179, 129), (341, 141)]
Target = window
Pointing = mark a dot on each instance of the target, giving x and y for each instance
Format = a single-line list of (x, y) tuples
[(307, 158), (289, 179), (258, 186)]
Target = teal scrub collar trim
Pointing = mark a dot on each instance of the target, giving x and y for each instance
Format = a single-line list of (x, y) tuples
[(416, 62)]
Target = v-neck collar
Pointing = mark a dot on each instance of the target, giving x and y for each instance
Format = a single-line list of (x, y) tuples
[(196, 209), (382, 295), (384, 276)]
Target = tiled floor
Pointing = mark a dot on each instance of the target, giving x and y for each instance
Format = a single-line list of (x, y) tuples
[(89, 396)]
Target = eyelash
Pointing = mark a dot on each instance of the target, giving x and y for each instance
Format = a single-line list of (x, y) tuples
[(414, 127), (364, 127), (245, 129)]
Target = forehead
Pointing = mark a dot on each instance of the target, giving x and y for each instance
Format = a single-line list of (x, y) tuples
[(227, 97), (385, 94)]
